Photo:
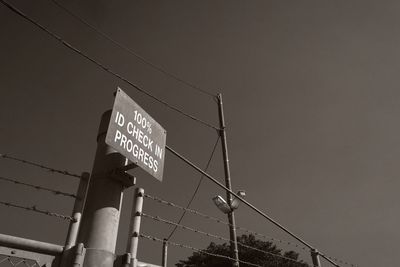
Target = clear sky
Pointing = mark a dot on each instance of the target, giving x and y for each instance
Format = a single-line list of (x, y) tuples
[(311, 98)]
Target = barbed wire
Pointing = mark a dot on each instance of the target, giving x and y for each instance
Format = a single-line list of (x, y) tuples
[(293, 244), (221, 221), (56, 192), (157, 218), (102, 66), (9, 259), (50, 169), (37, 210), (196, 249)]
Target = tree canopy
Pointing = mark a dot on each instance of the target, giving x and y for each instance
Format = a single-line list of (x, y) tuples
[(264, 254)]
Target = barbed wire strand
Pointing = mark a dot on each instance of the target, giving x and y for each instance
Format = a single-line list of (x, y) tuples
[(37, 210), (56, 192), (162, 201), (50, 169), (197, 188), (132, 52), (159, 219), (102, 66)]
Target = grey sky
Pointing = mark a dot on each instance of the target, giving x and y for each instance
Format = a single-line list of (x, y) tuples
[(311, 101)]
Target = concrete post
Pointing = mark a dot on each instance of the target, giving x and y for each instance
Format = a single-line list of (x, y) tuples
[(100, 221), (134, 228)]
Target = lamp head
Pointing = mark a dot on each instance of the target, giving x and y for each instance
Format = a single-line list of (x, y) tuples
[(221, 204)]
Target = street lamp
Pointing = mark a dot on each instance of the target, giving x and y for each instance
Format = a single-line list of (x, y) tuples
[(223, 206)]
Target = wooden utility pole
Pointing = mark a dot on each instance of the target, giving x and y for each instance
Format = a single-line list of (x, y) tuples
[(229, 198)]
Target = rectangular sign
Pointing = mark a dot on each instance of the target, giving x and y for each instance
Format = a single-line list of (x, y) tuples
[(136, 135)]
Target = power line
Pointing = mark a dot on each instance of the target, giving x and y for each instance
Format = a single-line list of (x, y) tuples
[(37, 210), (196, 190), (56, 192), (130, 51), (105, 68), (50, 169)]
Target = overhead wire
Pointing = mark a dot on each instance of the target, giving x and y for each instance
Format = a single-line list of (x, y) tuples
[(196, 189), (56, 192), (130, 51), (50, 169), (105, 68)]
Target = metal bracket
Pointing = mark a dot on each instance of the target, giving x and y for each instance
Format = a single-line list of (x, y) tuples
[(122, 176)]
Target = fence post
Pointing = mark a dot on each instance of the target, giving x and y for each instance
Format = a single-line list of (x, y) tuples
[(77, 211), (165, 253), (134, 228), (315, 258), (100, 220)]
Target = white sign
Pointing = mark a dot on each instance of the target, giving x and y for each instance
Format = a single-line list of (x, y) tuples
[(136, 135)]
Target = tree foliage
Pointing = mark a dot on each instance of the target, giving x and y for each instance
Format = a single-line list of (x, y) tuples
[(272, 258)]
